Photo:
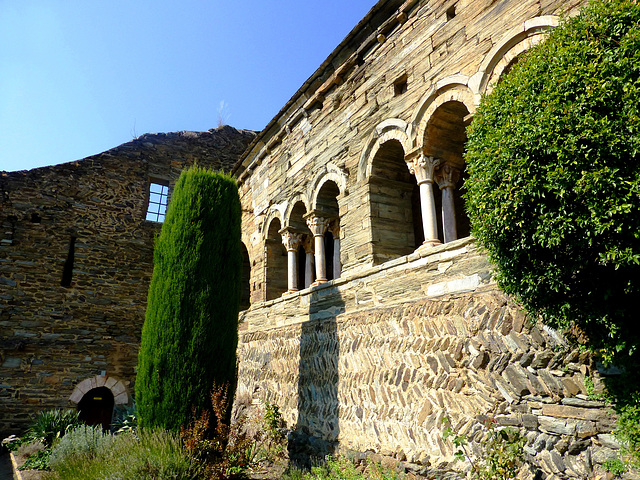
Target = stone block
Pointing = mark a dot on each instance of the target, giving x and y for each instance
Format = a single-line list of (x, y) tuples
[(556, 426), (566, 411)]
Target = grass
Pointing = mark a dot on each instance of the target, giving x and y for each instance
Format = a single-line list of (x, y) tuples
[(87, 454), (343, 469)]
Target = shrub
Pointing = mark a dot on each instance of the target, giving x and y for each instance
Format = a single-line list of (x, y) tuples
[(554, 177), (189, 337), (154, 454), (51, 424)]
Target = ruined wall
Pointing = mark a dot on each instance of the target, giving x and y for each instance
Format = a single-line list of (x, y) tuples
[(376, 360), (52, 338)]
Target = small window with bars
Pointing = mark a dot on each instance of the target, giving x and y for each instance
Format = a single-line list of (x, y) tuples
[(158, 200)]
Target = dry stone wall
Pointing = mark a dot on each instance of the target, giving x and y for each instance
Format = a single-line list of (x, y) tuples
[(375, 361), (54, 337)]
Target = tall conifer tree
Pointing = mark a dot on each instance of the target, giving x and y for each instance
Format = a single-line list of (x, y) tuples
[(190, 332)]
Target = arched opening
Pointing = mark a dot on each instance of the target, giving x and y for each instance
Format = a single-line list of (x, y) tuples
[(304, 254), (327, 204), (245, 297), (395, 205), (276, 262), (96, 407), (445, 138)]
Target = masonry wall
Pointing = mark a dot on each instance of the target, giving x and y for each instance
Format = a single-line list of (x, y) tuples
[(376, 360), (52, 338)]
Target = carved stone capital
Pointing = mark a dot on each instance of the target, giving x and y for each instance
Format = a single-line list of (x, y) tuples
[(424, 168), (308, 244), (447, 176), (334, 228), (291, 240), (317, 224)]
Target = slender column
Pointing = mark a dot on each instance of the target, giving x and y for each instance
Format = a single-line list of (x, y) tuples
[(291, 241), (447, 177), (309, 265), (318, 226), (423, 168), (334, 228)]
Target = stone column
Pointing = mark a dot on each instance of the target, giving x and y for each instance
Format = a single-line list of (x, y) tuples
[(291, 241), (318, 226), (310, 264), (423, 168), (447, 177), (334, 228)]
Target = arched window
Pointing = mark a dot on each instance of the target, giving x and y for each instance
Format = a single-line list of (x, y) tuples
[(276, 262), (395, 205), (245, 298), (445, 138), (327, 204)]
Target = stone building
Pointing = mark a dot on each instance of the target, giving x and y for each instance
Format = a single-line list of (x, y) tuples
[(76, 257), (373, 314)]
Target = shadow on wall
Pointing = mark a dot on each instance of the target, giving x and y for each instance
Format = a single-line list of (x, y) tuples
[(317, 430)]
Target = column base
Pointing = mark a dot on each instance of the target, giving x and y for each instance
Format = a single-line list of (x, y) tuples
[(289, 292), (318, 282), (429, 243)]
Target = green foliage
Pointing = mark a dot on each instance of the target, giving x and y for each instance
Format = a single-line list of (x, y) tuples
[(615, 466), (554, 178), (190, 335), (502, 454), (83, 440), (90, 455), (272, 421), (51, 424), (343, 469), (125, 419), (37, 461)]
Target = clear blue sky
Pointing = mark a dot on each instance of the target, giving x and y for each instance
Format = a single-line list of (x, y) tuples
[(78, 77)]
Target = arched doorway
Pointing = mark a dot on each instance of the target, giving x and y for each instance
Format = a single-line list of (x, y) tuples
[(96, 407), (395, 205)]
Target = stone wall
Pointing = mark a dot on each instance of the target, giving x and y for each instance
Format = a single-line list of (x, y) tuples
[(52, 338), (376, 360)]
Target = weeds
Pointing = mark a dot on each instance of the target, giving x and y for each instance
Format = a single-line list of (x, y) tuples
[(343, 469), (501, 456)]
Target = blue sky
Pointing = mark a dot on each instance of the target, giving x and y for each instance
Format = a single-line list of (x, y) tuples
[(80, 77)]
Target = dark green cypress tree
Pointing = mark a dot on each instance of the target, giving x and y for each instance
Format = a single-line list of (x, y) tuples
[(190, 332)]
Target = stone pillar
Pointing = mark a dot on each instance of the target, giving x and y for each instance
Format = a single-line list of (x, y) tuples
[(318, 225), (310, 264), (423, 168), (447, 177), (291, 241), (334, 228)]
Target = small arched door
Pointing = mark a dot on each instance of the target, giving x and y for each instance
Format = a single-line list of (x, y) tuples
[(96, 407)]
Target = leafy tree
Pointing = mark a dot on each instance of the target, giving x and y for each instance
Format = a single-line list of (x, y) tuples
[(554, 188), (190, 332)]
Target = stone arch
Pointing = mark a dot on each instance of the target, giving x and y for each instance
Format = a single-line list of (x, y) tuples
[(117, 388), (513, 43), (300, 198), (394, 201), (450, 89), (391, 129), (444, 138), (275, 277), (245, 297), (331, 173)]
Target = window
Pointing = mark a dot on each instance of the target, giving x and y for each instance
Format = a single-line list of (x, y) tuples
[(158, 199)]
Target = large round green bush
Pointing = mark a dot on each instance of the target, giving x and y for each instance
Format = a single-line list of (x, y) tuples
[(554, 186), (190, 333)]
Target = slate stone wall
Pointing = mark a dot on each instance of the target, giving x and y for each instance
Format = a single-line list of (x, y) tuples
[(375, 361), (53, 337)]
